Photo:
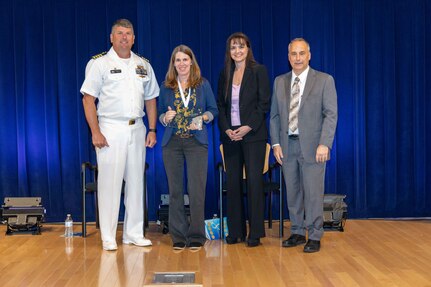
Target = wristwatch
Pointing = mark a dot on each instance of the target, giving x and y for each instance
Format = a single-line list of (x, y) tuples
[(152, 130)]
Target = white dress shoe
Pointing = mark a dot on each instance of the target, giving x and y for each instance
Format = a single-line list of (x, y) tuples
[(137, 241), (109, 246)]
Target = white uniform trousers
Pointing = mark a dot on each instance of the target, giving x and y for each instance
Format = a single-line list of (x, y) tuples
[(123, 159)]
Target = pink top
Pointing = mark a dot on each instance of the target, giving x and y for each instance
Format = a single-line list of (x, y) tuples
[(234, 110)]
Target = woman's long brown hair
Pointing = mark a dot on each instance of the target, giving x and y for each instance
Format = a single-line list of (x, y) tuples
[(229, 63), (195, 78)]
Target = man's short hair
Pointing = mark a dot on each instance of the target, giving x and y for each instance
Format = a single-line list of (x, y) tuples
[(122, 23), (298, 40)]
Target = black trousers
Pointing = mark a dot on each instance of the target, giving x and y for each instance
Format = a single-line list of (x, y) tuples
[(252, 156), (194, 155)]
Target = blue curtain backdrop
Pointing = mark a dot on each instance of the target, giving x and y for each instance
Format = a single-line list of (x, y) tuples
[(377, 52)]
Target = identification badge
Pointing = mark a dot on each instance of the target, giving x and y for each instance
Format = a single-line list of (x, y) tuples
[(140, 71), (115, 71)]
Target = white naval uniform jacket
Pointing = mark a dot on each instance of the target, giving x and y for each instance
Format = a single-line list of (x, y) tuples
[(121, 86)]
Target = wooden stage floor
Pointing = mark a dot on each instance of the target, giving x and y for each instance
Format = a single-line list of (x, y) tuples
[(368, 253)]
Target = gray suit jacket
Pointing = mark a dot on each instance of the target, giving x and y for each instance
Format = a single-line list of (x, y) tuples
[(317, 119)]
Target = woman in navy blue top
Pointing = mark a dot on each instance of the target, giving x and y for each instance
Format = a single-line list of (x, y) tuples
[(186, 106)]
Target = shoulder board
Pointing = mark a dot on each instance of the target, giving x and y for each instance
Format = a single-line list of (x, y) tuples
[(98, 55), (142, 57)]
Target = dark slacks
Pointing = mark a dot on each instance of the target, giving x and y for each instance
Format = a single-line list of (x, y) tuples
[(195, 155), (252, 155)]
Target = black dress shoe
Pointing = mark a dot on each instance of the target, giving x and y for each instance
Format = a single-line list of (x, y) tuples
[(195, 245), (312, 246), (253, 242), (234, 240), (294, 240), (179, 246)]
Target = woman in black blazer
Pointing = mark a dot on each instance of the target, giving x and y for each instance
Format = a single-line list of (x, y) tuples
[(243, 101)]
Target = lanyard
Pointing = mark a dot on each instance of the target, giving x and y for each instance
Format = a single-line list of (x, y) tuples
[(185, 101)]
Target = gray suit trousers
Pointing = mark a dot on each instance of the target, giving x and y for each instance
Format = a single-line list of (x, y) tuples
[(305, 188)]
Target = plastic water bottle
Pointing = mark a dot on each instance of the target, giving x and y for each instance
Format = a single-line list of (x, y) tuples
[(68, 225)]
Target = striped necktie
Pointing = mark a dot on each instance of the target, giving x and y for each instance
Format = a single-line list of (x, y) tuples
[(294, 106)]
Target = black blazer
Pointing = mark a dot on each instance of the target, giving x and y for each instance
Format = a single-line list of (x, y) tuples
[(254, 102)]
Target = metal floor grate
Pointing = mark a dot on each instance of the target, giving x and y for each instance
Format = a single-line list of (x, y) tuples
[(174, 277)]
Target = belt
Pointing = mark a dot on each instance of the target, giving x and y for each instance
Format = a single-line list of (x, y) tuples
[(293, 137), (127, 122), (185, 136)]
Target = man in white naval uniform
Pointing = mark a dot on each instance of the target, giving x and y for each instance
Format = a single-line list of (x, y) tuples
[(123, 83)]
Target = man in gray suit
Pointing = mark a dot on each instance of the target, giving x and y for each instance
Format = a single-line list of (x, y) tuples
[(302, 127)]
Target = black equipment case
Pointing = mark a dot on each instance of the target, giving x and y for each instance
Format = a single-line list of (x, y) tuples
[(334, 212), (23, 214)]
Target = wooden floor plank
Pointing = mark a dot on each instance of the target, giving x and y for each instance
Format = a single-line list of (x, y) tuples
[(368, 253)]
